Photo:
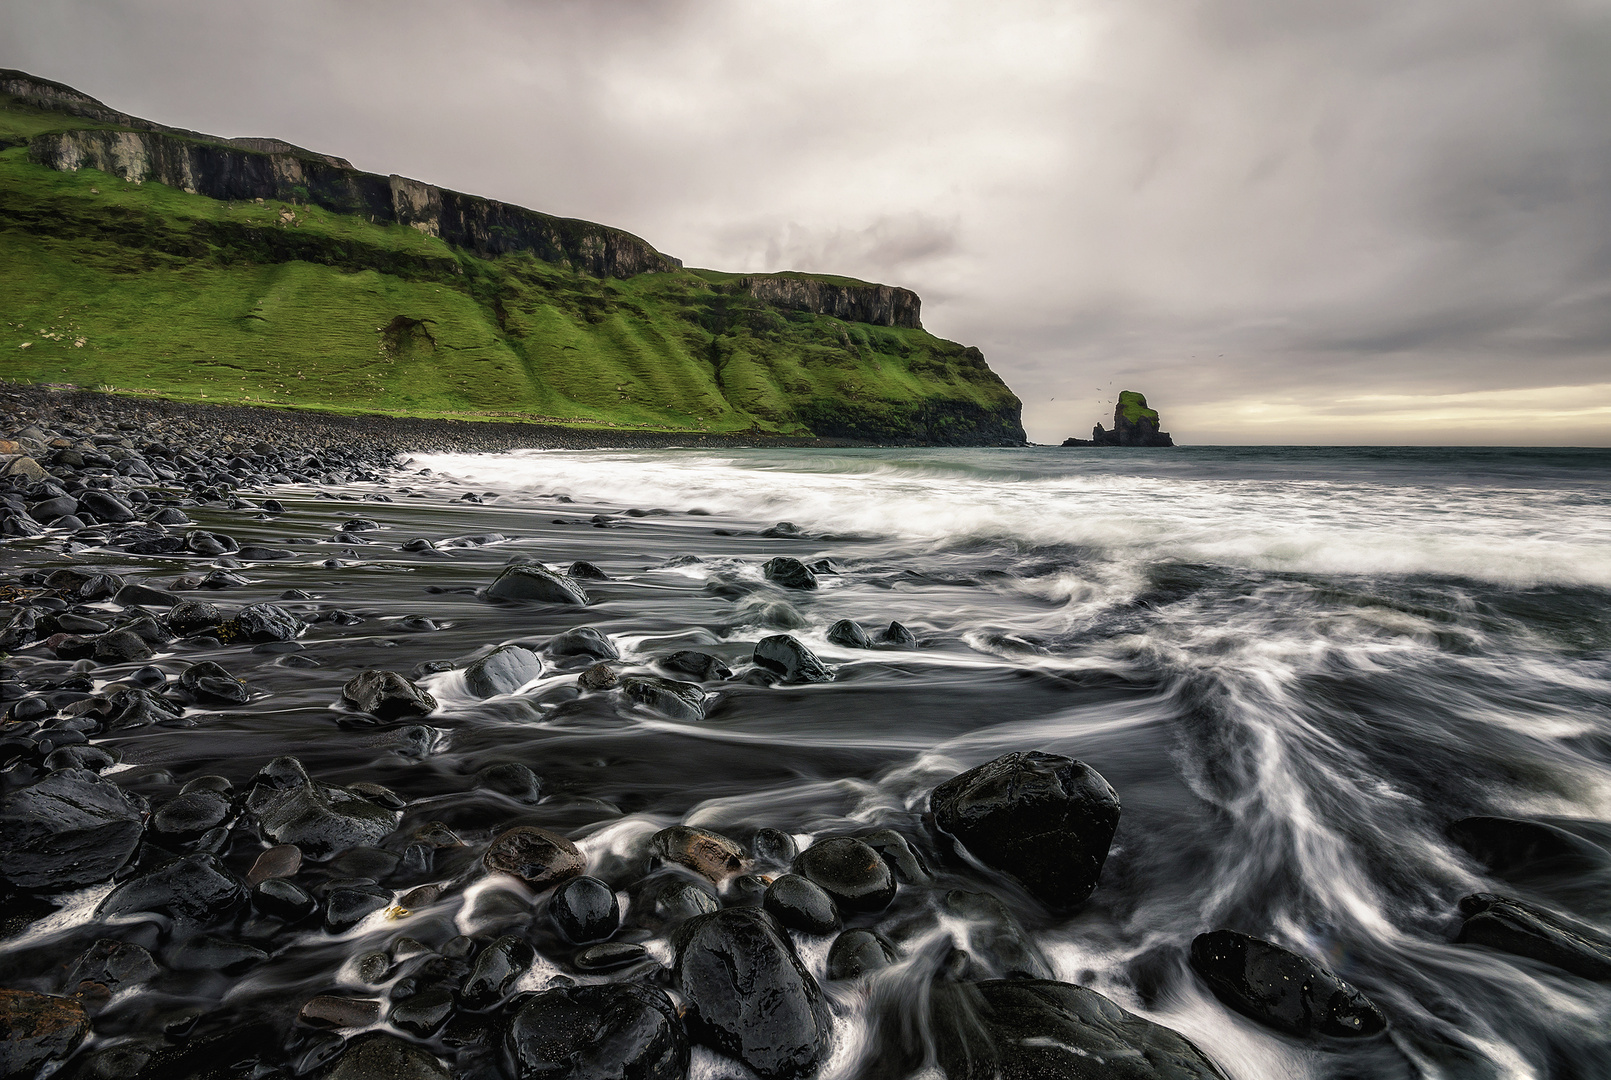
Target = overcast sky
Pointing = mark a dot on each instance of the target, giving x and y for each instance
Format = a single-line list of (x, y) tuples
[(1379, 221)]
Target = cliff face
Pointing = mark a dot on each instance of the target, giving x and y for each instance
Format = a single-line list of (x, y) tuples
[(257, 271), (881, 305), (1134, 424), (229, 172)]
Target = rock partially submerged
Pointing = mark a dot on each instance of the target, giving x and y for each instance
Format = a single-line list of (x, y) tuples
[(749, 996), (1523, 929), (612, 1032), (320, 819), (1276, 986), (37, 1028), (1033, 1029), (387, 695), (68, 830), (502, 671), (1043, 819), (529, 581)]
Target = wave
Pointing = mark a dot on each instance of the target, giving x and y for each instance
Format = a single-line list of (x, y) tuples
[(1549, 533)]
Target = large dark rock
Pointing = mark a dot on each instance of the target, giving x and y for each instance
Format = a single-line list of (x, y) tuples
[(1276, 986), (536, 856), (609, 1032), (528, 581), (1044, 819), (710, 855), (849, 634), (69, 830), (502, 671), (189, 616), (678, 700), (263, 622), (848, 870), (191, 891), (346, 907), (110, 965), (787, 657), (191, 813), (36, 1028), (702, 666), (208, 683), (582, 641), (748, 994), (495, 971), (585, 910), (800, 904), (789, 572), (321, 820), (378, 1056), (1032, 1029), (1519, 928), (387, 695), (859, 952)]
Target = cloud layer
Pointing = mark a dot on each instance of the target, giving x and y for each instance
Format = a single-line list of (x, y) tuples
[(1359, 221)]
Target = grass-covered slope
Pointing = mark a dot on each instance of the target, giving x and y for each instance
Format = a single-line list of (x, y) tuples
[(142, 287)]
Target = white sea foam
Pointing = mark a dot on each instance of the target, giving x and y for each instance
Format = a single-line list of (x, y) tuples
[(1514, 535)]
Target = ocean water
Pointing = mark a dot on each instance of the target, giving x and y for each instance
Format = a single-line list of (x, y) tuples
[(1296, 666)]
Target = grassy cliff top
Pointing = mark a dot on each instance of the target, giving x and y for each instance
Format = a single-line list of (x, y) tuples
[(1134, 406)]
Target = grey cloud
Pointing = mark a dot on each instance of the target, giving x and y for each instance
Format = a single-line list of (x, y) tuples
[(1216, 203)]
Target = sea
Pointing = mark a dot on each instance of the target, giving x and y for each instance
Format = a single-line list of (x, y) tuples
[(1296, 666)]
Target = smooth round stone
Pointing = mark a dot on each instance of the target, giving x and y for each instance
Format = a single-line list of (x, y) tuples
[(801, 905), (424, 1014), (857, 952), (512, 779), (191, 813), (609, 1032), (283, 900), (610, 955), (851, 872), (334, 1011), (536, 856), (708, 854), (774, 846), (279, 861), (585, 910)]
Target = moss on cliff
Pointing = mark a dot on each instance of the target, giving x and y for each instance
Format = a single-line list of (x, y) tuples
[(146, 288), (1133, 407)]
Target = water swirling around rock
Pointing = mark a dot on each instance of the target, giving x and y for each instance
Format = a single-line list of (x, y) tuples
[(1297, 669)]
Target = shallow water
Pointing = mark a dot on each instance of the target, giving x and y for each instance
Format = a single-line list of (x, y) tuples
[(1296, 667)]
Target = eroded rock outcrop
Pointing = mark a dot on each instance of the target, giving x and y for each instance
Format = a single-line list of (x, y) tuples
[(1134, 424)]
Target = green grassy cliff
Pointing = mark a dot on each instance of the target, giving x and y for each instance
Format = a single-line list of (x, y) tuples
[(345, 291)]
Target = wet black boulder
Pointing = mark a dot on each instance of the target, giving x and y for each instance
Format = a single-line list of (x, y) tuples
[(798, 903), (851, 872), (502, 671), (787, 657), (192, 891), (702, 666), (1032, 1029), (387, 695), (528, 581), (322, 820), (582, 641), (191, 813), (264, 622), (789, 572), (585, 910), (678, 700), (1276, 986), (69, 830), (620, 1031), (849, 634), (495, 971), (1043, 819), (748, 994), (378, 1056), (37, 1028), (208, 683), (1521, 929), (189, 616), (859, 952)]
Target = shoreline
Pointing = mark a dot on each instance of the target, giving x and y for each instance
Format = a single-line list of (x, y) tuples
[(32, 402)]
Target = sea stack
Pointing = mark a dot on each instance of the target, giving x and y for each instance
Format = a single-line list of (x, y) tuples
[(1133, 425)]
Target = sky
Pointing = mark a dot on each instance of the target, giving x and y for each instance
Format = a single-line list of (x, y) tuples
[(1284, 221)]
